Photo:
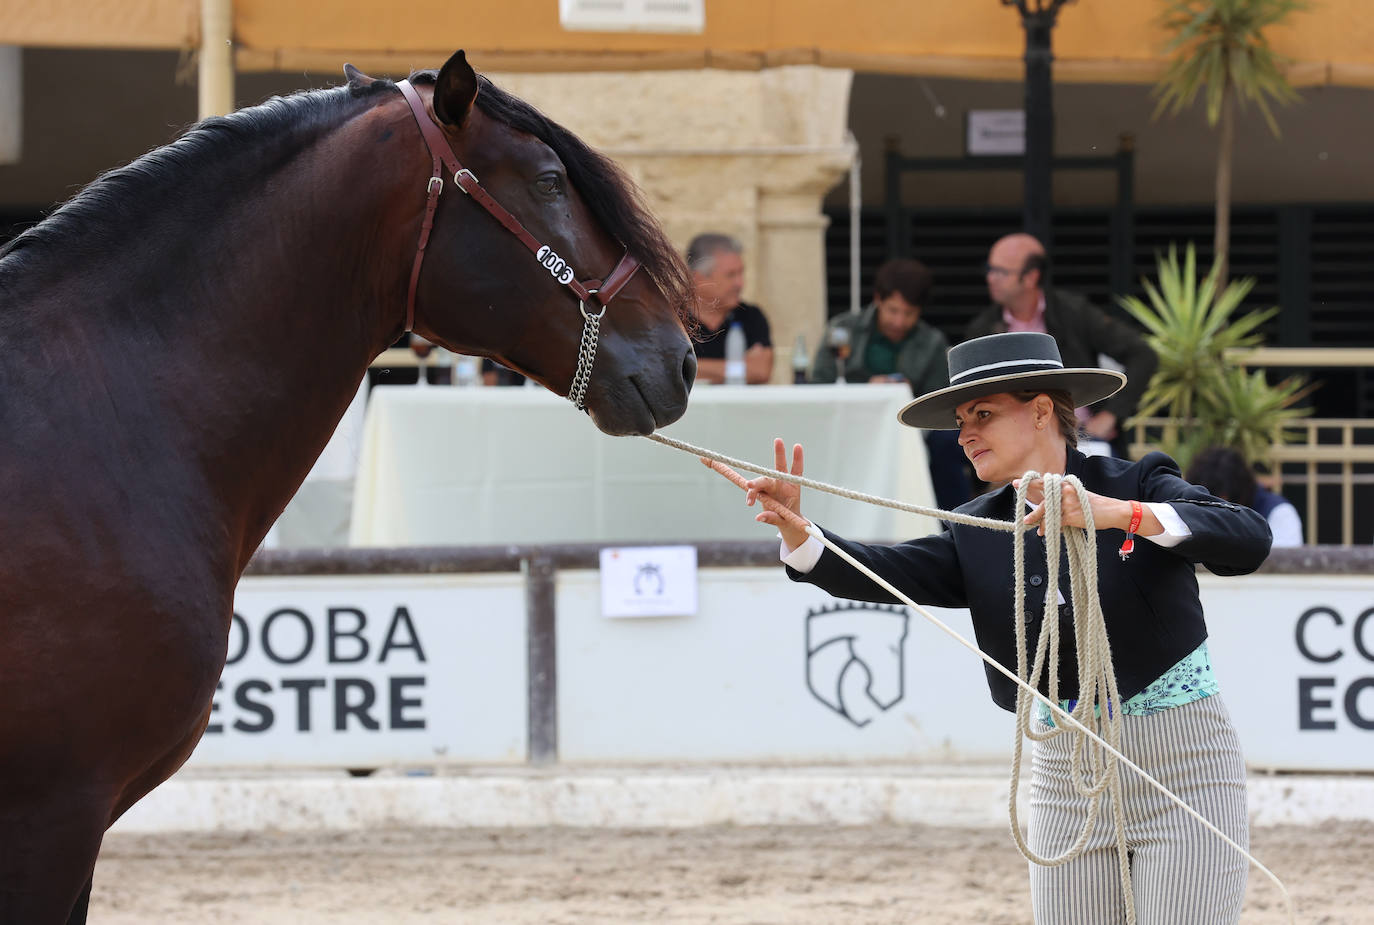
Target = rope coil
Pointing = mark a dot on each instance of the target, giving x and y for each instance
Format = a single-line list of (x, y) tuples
[(1099, 701)]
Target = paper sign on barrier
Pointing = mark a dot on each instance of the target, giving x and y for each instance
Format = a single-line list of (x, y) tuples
[(649, 581)]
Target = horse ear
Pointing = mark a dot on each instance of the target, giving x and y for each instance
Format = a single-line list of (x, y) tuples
[(356, 78), (455, 90)]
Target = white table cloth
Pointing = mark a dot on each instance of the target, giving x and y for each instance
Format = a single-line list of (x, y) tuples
[(476, 466)]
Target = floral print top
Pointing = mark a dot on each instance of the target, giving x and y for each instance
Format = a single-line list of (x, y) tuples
[(1190, 679)]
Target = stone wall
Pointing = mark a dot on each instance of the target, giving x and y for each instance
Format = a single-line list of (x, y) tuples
[(749, 153)]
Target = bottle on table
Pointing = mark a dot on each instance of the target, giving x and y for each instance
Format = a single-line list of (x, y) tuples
[(467, 371), (734, 355), (801, 361)]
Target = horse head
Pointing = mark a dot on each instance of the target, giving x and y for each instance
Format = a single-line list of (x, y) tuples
[(486, 289)]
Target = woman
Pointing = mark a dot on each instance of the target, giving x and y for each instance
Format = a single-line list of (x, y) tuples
[(1227, 475), (1013, 403)]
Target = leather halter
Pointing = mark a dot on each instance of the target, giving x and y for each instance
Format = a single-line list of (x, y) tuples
[(592, 291)]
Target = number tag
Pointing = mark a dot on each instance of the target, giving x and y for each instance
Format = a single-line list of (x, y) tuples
[(556, 265)]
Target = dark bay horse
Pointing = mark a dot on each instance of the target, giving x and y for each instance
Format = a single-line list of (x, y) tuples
[(180, 340)]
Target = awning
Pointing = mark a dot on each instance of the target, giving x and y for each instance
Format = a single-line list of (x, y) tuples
[(1104, 41)]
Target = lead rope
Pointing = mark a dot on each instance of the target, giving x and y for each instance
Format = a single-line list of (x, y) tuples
[(1099, 701)]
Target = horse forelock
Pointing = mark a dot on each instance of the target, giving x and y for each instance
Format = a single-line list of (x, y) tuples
[(611, 196)]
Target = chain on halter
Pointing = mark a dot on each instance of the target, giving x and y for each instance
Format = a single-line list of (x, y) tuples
[(592, 291), (586, 355)]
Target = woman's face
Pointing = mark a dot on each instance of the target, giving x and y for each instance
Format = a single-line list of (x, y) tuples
[(1003, 436)]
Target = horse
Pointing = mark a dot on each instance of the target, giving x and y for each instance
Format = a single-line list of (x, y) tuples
[(181, 339)]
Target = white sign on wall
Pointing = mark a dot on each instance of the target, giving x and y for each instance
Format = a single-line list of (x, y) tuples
[(1294, 655), (996, 132), (768, 670), (359, 671), (367, 671), (649, 581), (633, 15)]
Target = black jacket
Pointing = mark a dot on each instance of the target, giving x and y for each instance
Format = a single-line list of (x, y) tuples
[(1083, 331), (1150, 600)]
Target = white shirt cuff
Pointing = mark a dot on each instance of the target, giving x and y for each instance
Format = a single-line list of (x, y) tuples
[(804, 558), (1175, 530)]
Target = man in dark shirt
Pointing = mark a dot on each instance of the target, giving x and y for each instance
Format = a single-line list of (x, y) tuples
[(718, 270), (1016, 270)]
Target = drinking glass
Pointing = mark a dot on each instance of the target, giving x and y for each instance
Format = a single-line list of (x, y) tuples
[(838, 342)]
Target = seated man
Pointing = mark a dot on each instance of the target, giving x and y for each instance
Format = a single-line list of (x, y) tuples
[(888, 342), (718, 270)]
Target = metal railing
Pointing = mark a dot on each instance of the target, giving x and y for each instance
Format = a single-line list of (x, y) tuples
[(1314, 452)]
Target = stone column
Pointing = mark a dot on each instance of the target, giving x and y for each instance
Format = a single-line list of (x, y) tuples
[(748, 153)]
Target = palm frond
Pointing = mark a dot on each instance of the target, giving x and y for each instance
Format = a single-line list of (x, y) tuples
[(1192, 325), (1216, 45)]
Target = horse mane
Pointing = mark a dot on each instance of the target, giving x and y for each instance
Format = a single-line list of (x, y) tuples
[(116, 204), (611, 196)]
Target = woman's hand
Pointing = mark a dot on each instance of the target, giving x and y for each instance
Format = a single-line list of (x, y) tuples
[(1108, 513), (781, 500)]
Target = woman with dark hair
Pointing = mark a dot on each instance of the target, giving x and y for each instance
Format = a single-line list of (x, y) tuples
[(1013, 404), (1225, 474)]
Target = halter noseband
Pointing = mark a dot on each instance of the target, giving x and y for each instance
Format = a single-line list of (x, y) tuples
[(594, 291)]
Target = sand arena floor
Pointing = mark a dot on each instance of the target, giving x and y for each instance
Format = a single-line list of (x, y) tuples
[(874, 875)]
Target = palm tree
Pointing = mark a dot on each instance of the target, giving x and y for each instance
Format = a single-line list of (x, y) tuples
[(1220, 45), (1206, 398)]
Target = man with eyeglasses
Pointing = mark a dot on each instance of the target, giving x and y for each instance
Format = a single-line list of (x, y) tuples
[(1087, 336)]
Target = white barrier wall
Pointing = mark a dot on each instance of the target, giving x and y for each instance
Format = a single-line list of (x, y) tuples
[(369, 670), (364, 671), (736, 683), (1295, 658)]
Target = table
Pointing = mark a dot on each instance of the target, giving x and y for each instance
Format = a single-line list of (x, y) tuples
[(477, 466)]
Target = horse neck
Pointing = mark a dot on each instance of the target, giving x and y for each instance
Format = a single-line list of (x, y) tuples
[(286, 296), (337, 289)]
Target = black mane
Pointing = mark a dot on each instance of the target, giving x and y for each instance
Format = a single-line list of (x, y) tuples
[(118, 204)]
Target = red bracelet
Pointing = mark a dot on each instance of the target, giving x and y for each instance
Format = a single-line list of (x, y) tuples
[(1128, 546)]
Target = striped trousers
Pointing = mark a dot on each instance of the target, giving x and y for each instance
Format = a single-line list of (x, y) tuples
[(1181, 873)]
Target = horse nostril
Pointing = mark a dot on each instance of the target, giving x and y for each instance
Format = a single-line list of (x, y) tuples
[(689, 368)]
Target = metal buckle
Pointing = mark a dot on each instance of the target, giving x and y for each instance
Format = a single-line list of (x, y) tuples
[(472, 176), (583, 307)]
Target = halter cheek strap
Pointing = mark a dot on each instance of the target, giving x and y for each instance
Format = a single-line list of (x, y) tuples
[(592, 291)]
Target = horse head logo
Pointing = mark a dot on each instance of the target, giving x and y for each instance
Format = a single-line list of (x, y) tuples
[(855, 658), (649, 579)]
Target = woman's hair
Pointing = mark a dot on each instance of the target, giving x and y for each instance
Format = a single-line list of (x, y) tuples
[(1223, 472), (1063, 410)]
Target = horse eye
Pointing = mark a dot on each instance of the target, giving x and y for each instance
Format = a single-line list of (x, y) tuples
[(550, 184)]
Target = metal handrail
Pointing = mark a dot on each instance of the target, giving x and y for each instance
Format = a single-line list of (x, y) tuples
[(1331, 357), (1302, 446)]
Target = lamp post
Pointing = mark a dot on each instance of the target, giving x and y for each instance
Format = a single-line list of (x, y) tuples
[(1037, 18)]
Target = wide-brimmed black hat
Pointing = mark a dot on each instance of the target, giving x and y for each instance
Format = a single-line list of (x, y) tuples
[(1006, 363)]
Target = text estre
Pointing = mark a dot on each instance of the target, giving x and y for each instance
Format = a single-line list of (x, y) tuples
[(289, 637)]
